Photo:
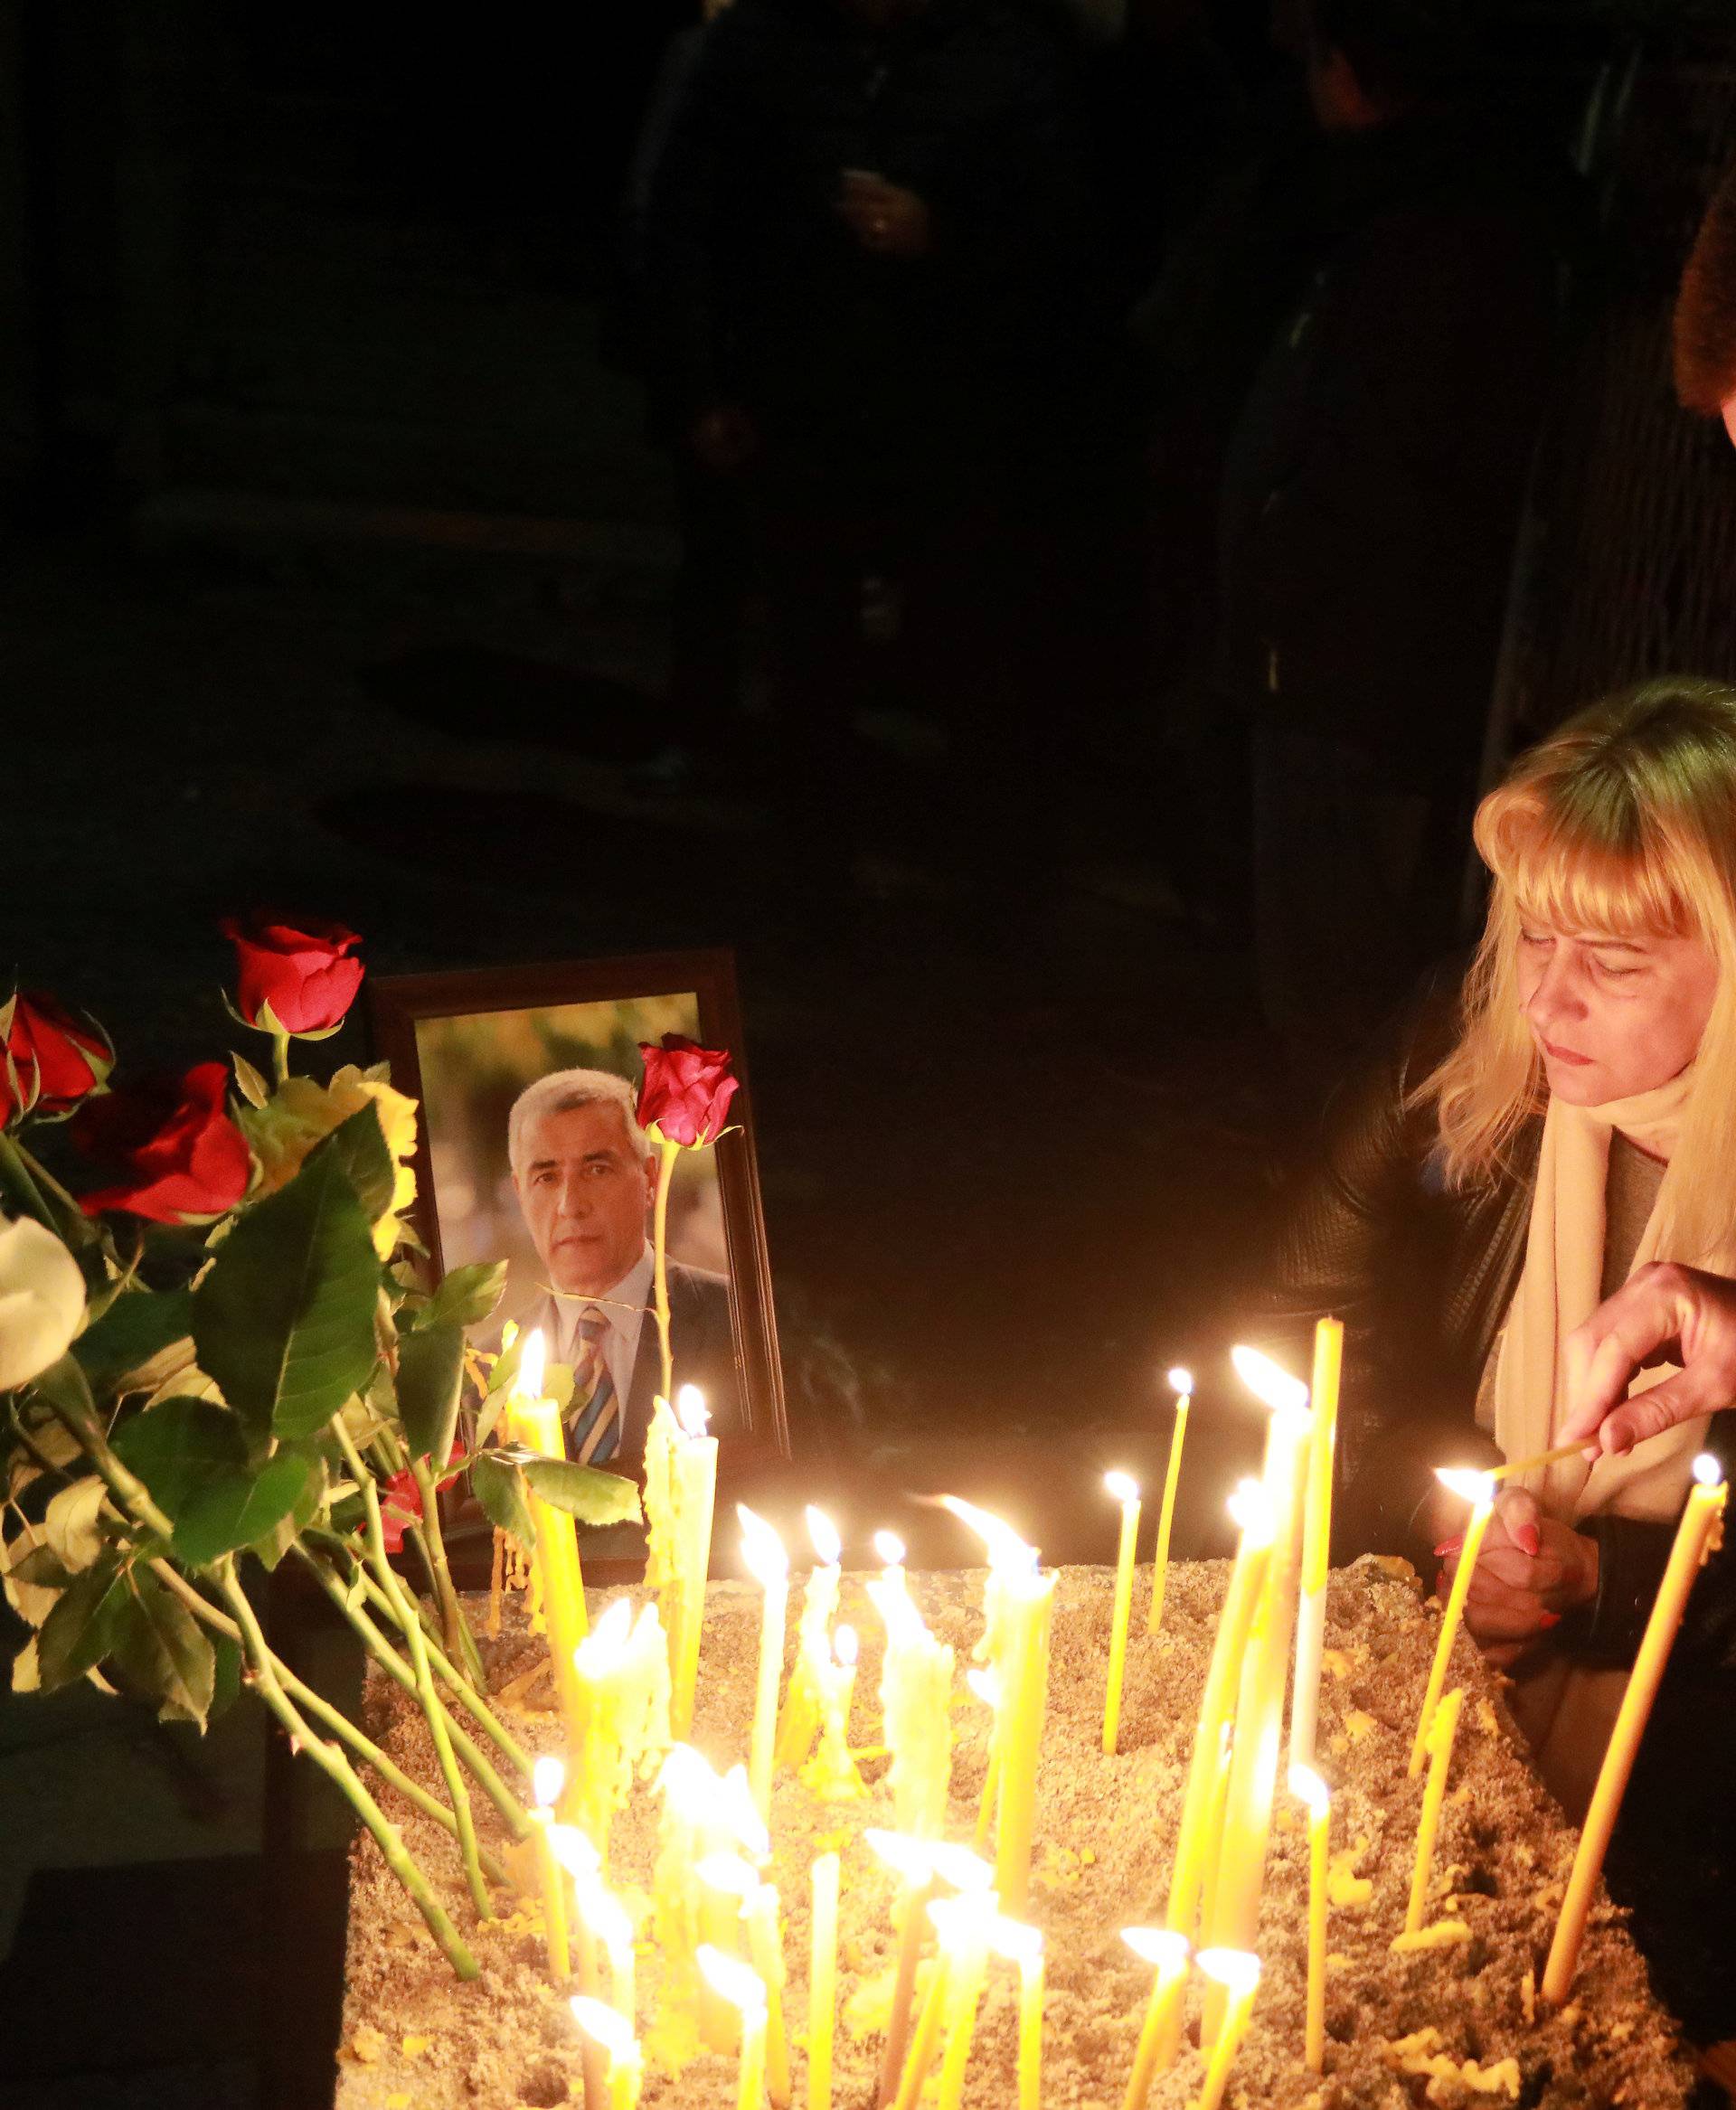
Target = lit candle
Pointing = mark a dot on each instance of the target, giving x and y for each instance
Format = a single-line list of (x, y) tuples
[(725, 1881), (919, 1863), (1160, 2035), (1441, 1732), (1251, 1508), (607, 1918), (1126, 1492), (822, 1980), (740, 1986), (546, 1777), (763, 1552), (889, 1548), (987, 1686), (1317, 1540), (1260, 1704), (535, 1423), (621, 1670), (1182, 1383), (916, 1702), (803, 1703), (680, 1493), (1698, 1535), (766, 1950), (966, 1925), (578, 1857), (1478, 1490), (603, 2026), (1236, 1973), (1310, 1790), (831, 1774), (1022, 1946)]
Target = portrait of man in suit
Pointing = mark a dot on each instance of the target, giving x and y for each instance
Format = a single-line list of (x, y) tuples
[(584, 1174)]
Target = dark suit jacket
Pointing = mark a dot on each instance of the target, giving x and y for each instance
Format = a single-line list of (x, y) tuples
[(702, 1334)]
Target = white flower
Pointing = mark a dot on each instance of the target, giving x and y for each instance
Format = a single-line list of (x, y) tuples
[(42, 1301)]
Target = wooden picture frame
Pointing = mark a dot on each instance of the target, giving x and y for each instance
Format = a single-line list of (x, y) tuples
[(416, 1021)]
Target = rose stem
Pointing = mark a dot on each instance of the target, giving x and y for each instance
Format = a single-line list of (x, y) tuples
[(457, 1793), (660, 1256), (337, 1768), (314, 1703), (459, 1640)]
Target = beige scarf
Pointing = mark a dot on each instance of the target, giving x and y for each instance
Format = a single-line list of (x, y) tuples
[(1566, 1712)]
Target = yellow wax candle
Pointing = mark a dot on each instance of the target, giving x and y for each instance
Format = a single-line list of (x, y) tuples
[(1316, 1538), (912, 1860), (1236, 1974), (831, 1774), (578, 1857), (1698, 1536), (1126, 1492), (607, 1918), (916, 1702), (822, 1980), (602, 2025), (1477, 1489), (1310, 1790), (1214, 1835), (693, 1794), (1441, 1732), (535, 1424), (1183, 1383), (987, 1686), (546, 1777), (680, 1494), (725, 1881), (1023, 1947), (965, 1934), (802, 1705), (765, 1949), (769, 1564), (740, 1985), (1031, 1599), (925, 2043), (1251, 1508), (1260, 1705), (1160, 2034)]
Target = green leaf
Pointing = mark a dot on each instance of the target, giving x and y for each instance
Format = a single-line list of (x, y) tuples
[(192, 1456), (163, 1651), (41, 1569), (359, 1144), (499, 1487), (594, 1497), (234, 1509), (271, 1546), (465, 1297), (430, 1371), (226, 1682), (284, 1321), (80, 1629), (139, 1324)]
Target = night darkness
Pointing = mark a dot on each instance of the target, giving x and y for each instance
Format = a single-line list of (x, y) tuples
[(1006, 514)]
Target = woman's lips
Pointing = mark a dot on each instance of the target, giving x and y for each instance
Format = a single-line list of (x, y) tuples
[(1563, 1054)]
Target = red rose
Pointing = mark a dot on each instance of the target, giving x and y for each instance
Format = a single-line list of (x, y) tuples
[(401, 1505), (301, 973), (686, 1091), (179, 1155), (52, 1059)]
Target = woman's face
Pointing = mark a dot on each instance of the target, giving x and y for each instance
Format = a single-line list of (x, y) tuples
[(1613, 1016)]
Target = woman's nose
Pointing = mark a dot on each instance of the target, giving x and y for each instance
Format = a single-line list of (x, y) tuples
[(1555, 994)]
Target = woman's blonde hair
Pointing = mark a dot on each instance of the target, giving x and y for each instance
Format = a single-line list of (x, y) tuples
[(1622, 823)]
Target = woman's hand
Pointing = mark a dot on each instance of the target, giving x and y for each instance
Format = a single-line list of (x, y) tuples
[(1531, 1570)]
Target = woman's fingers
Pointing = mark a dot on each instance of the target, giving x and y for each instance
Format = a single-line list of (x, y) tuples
[(1664, 1307)]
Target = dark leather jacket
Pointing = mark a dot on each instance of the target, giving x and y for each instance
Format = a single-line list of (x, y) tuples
[(1421, 1275)]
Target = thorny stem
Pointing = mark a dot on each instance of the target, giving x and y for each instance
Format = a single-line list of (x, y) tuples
[(338, 1769), (314, 1703), (457, 1793), (459, 1640), (660, 1262)]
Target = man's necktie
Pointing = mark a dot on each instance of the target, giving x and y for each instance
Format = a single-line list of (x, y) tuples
[(595, 1415)]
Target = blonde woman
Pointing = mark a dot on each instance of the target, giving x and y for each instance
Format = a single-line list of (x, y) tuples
[(1520, 1149)]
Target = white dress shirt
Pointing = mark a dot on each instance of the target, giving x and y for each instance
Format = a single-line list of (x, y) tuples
[(623, 1305)]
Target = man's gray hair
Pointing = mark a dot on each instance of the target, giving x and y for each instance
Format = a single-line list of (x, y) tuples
[(560, 1092)]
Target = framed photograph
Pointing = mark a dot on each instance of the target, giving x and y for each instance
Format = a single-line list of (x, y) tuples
[(529, 1152)]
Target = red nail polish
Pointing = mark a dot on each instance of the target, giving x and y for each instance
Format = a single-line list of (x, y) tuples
[(1547, 1619), (1527, 1539), (1448, 1546)]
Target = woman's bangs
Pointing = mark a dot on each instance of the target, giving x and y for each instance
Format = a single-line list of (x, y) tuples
[(1565, 879)]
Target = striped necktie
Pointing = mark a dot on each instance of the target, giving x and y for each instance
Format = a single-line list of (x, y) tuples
[(595, 1415)]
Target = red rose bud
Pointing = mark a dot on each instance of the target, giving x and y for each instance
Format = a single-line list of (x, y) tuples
[(401, 1505), (301, 971), (178, 1155), (686, 1092), (53, 1060)]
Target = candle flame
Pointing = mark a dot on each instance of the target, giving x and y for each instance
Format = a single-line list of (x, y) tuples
[(1181, 1380), (907, 1856), (728, 1872), (1236, 1970), (601, 1650), (737, 1811), (1252, 1511), (762, 1549), (845, 1641), (824, 1535), (732, 1980), (1271, 1385), (690, 1781), (1014, 1939), (691, 1410), (889, 1548), (607, 2025), (1707, 1470), (528, 1383), (958, 1866), (607, 1917), (548, 1777), (1477, 1487), (1166, 1951), (985, 1683), (1122, 1487), (957, 1920), (1006, 1550), (1307, 1786), (574, 1851)]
